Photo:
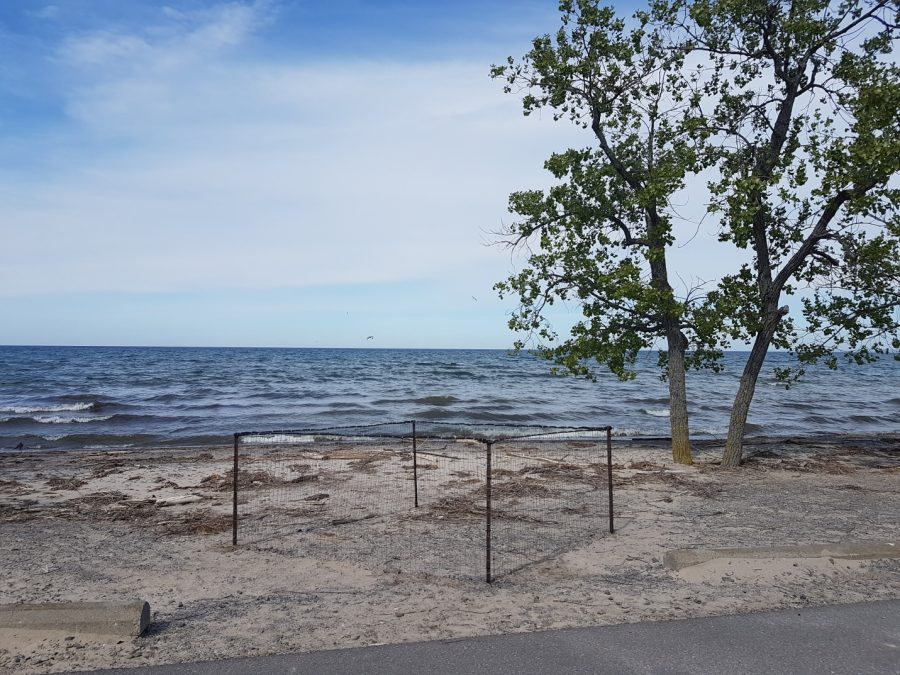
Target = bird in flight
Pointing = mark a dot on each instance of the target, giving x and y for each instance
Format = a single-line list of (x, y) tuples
[(371, 337)]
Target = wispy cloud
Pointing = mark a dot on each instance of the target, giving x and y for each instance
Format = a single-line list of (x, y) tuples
[(181, 169), (178, 38), (46, 12), (193, 163)]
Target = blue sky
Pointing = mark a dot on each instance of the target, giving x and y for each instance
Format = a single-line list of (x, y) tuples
[(271, 173)]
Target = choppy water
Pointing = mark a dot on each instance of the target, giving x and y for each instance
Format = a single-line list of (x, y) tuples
[(63, 397)]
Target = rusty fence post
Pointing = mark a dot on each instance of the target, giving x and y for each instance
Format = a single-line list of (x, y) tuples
[(234, 504), (487, 547), (415, 467), (609, 478)]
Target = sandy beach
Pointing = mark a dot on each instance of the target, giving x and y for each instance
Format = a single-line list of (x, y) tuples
[(82, 525)]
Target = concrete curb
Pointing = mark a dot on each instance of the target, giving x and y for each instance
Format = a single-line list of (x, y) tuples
[(106, 618), (860, 550)]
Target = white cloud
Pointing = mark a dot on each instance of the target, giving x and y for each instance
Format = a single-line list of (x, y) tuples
[(178, 39), (102, 47), (188, 168), (194, 165)]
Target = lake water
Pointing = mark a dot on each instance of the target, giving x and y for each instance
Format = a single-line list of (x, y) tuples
[(64, 397)]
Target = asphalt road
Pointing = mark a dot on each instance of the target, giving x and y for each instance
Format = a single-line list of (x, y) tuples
[(858, 638)]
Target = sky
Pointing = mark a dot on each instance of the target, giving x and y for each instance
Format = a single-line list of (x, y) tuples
[(268, 172)]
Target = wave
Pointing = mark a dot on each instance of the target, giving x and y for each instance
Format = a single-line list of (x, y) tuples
[(648, 400), (19, 420), (51, 408), (54, 419), (436, 400), (658, 412), (627, 432), (166, 398), (267, 439), (58, 419)]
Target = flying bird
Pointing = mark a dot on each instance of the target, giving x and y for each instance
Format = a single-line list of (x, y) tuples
[(371, 337)]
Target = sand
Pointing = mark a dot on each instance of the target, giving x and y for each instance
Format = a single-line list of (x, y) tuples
[(87, 526)]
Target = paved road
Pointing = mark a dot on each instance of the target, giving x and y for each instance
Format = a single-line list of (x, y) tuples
[(858, 638)]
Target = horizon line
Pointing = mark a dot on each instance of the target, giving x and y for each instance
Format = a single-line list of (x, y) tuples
[(366, 348)]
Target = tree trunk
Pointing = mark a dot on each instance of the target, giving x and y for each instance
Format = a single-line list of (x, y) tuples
[(734, 445), (678, 414)]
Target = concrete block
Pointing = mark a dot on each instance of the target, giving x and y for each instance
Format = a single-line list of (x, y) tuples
[(860, 550), (107, 618)]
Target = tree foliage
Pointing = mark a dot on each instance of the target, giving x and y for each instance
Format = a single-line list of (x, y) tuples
[(793, 105), (598, 237), (804, 117)]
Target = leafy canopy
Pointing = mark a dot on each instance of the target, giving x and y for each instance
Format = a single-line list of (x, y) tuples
[(598, 237)]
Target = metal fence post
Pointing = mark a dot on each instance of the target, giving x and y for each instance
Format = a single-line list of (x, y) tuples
[(415, 468), (234, 504), (609, 478), (487, 548)]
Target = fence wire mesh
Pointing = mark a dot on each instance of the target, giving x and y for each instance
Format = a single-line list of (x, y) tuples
[(443, 499)]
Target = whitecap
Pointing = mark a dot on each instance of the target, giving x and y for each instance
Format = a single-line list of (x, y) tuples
[(264, 439), (657, 412), (58, 419), (626, 432), (59, 407)]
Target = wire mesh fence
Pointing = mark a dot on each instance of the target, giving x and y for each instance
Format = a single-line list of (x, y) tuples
[(435, 498)]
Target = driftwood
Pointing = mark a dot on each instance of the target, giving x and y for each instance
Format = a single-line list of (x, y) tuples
[(540, 459), (347, 521), (175, 501), (436, 454)]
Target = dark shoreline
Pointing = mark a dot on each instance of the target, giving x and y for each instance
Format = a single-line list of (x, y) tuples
[(886, 443)]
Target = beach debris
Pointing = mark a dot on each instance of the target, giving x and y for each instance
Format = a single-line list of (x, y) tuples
[(455, 508), (562, 471), (203, 521), (347, 521), (176, 501), (108, 467), (67, 483), (246, 479), (13, 486), (518, 487), (365, 462), (540, 459)]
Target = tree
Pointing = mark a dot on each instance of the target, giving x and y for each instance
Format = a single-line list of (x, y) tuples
[(599, 237), (806, 118)]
